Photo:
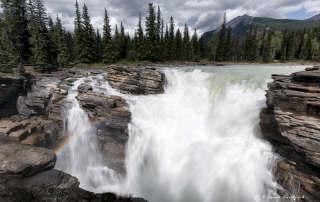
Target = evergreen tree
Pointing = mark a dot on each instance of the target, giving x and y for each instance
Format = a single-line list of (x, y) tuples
[(159, 35), (268, 52), (186, 43), (62, 48), (228, 44), (117, 44), (171, 41), (195, 46), (221, 50), (167, 49), (291, 46), (107, 56), (179, 46), (38, 39), (16, 26), (140, 42), (283, 51), (202, 47), (78, 33), (308, 53), (98, 46), (9, 57), (151, 32), (87, 53), (213, 46)]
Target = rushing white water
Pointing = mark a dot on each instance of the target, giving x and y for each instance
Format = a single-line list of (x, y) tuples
[(199, 141), (82, 157)]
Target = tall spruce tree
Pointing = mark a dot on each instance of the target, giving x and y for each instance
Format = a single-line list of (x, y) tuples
[(268, 52), (38, 39), (87, 53), (62, 48), (9, 57), (16, 26), (140, 42), (78, 33), (283, 50), (221, 50), (186, 43), (151, 32), (228, 44), (179, 45), (195, 46), (171, 41), (107, 56)]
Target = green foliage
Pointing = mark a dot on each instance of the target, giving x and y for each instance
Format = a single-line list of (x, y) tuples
[(141, 51), (38, 39), (171, 41), (108, 55), (87, 53), (221, 49), (62, 48), (151, 32)]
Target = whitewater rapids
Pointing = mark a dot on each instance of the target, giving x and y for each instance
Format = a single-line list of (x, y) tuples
[(198, 141)]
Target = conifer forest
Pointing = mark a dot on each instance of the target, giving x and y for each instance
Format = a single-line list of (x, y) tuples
[(29, 35)]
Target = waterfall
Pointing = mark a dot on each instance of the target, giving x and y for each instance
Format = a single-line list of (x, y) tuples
[(198, 141)]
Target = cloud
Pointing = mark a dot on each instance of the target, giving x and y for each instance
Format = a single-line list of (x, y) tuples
[(203, 15)]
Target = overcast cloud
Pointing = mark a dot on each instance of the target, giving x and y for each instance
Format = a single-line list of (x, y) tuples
[(203, 15)]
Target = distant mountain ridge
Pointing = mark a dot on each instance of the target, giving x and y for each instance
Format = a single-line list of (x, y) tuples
[(241, 24)]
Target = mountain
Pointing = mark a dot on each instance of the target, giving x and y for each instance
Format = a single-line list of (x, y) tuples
[(314, 18), (241, 25)]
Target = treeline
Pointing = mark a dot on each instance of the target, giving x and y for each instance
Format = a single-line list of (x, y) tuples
[(29, 35)]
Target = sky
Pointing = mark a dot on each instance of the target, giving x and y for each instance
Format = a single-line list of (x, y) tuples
[(203, 15)]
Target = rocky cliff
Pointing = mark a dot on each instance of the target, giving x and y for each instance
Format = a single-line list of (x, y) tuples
[(32, 115), (291, 123)]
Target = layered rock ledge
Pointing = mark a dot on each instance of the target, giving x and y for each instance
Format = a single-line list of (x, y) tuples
[(291, 123)]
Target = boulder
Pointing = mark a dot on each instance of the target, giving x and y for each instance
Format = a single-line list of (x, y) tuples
[(291, 124), (19, 161), (135, 80)]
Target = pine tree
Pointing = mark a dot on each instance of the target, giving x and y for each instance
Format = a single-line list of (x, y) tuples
[(268, 52), (221, 50), (140, 42), (62, 49), (78, 33), (171, 41), (179, 46), (87, 53), (291, 46), (213, 46), (308, 54), (117, 44), (159, 35), (38, 39), (16, 26), (107, 56), (283, 51), (167, 49), (186, 43), (228, 44), (151, 32), (195, 46), (9, 57), (202, 47), (98, 45)]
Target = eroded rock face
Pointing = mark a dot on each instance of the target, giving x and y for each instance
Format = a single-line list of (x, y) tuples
[(10, 89), (26, 175), (291, 123), (135, 80)]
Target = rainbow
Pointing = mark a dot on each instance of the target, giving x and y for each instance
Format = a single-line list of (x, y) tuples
[(64, 144)]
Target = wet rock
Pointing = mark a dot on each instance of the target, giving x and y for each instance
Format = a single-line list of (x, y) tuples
[(135, 80), (291, 123), (84, 88), (20, 161)]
